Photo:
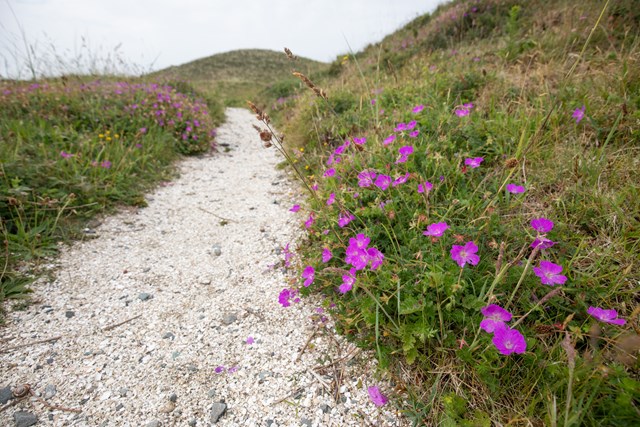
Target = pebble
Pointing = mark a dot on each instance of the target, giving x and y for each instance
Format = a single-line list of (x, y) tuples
[(144, 296), (217, 410), (217, 251), (173, 397), (305, 421), (5, 395), (167, 407), (168, 335), (122, 391), (24, 419), (49, 391), (69, 314), (154, 423), (229, 318)]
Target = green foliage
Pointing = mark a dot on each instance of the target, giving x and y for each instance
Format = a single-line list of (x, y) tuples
[(71, 149), (419, 306)]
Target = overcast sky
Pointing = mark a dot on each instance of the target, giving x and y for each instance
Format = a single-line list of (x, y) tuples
[(160, 33)]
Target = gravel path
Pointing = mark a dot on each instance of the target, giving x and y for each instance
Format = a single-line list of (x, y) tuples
[(154, 315)]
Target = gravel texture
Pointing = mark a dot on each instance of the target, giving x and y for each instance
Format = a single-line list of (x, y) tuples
[(154, 312)]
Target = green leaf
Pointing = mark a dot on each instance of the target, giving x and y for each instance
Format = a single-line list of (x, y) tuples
[(410, 304)]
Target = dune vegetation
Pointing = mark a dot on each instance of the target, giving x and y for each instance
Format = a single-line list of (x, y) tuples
[(472, 209)]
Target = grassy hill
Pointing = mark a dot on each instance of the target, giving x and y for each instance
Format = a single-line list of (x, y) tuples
[(241, 74), (486, 157)]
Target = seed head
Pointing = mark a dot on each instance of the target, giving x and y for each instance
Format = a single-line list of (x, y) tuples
[(511, 163), (290, 54)]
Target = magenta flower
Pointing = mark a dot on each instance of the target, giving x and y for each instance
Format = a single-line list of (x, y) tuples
[(388, 140), (607, 316), (66, 155), (287, 255), (401, 180), (219, 369), (331, 199), (359, 141), (495, 317), (473, 162), (340, 149), (578, 114), (348, 280), (329, 173), (509, 341), (365, 178), (414, 134), (542, 225), (344, 219), (309, 273), (383, 181), (515, 189), (326, 255), (425, 187), (436, 230), (464, 110), (375, 258), (376, 396), (404, 153), (400, 127), (542, 242), (412, 124), (417, 108), (294, 208), (309, 222), (250, 340), (287, 296), (549, 273), (361, 241), (465, 254)]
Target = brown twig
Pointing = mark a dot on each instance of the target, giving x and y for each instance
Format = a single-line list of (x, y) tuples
[(293, 393), (315, 331), (217, 216), (108, 328), (7, 350)]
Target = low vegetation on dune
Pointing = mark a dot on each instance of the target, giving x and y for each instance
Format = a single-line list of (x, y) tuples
[(472, 210), (74, 147), (233, 77)]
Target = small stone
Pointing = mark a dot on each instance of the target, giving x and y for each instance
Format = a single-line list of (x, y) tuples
[(217, 410), (217, 251), (204, 281), (5, 395), (69, 314), (122, 391), (263, 376), (49, 361), (305, 422), (269, 423), (173, 397), (193, 423), (119, 406), (144, 296), (154, 423), (212, 392), (168, 335), (325, 408), (24, 419), (167, 407), (49, 391), (229, 318)]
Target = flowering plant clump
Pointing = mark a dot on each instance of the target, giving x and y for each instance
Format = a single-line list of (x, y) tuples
[(499, 193)]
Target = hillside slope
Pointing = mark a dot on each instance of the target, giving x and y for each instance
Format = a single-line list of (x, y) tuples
[(475, 210), (238, 75)]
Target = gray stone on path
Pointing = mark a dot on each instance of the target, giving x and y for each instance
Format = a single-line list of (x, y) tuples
[(5, 395), (69, 314), (24, 419), (229, 318), (144, 296), (217, 410), (217, 251), (49, 391), (154, 423), (306, 422)]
